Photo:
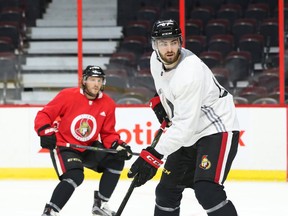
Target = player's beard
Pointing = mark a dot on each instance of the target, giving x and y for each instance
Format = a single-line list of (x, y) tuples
[(167, 60), (91, 94)]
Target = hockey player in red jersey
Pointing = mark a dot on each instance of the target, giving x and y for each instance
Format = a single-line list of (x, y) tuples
[(202, 140), (86, 114)]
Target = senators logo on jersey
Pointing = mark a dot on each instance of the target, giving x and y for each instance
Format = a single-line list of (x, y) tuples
[(83, 127)]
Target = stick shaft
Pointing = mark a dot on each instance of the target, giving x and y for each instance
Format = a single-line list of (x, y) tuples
[(92, 148), (127, 196), (133, 183)]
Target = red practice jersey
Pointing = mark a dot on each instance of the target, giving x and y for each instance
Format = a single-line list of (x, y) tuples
[(82, 120)]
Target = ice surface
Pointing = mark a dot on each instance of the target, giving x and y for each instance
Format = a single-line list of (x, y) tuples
[(27, 198)]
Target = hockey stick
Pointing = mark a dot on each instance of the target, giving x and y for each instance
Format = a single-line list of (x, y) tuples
[(92, 148), (132, 185)]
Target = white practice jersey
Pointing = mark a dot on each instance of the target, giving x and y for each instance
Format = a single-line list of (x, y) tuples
[(195, 102)]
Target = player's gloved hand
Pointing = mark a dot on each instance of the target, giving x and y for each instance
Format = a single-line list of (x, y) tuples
[(159, 110), (124, 150), (146, 166), (47, 137)]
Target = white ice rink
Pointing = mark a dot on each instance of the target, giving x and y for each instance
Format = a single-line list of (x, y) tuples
[(27, 198)]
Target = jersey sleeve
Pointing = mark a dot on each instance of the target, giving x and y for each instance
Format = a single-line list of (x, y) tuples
[(49, 112)]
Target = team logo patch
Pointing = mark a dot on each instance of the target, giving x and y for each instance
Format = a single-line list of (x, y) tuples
[(83, 127), (205, 163)]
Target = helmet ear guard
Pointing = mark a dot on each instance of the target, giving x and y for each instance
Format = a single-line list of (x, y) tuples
[(181, 40), (153, 41)]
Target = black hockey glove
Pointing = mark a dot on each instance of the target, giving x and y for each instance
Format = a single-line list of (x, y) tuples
[(146, 166), (47, 137), (124, 150), (159, 110)]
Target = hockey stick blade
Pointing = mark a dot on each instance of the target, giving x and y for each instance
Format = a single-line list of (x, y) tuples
[(133, 183), (92, 148)]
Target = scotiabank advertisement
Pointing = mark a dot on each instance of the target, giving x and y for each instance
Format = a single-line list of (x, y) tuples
[(262, 145)]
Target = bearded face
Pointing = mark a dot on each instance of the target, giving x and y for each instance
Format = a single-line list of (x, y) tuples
[(168, 49)]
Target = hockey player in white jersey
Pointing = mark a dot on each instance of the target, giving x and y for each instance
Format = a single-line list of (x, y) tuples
[(202, 140)]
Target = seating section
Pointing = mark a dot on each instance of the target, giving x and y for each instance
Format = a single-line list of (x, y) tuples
[(223, 43), (197, 43), (239, 65), (237, 39), (16, 16), (49, 47)]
